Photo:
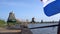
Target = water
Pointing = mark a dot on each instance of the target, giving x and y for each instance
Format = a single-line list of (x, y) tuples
[(49, 30)]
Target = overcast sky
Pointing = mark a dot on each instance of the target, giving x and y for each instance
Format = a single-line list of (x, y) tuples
[(25, 9)]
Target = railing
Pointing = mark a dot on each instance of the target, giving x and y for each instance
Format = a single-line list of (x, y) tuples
[(44, 26)]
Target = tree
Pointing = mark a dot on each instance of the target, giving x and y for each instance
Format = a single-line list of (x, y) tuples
[(2, 23)]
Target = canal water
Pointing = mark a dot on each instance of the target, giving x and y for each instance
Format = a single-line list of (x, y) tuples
[(49, 30)]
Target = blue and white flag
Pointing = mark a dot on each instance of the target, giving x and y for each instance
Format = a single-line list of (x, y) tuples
[(51, 7)]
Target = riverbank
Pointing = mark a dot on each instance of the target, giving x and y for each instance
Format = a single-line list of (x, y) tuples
[(6, 31)]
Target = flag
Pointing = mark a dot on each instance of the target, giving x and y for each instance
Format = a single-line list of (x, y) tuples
[(51, 7)]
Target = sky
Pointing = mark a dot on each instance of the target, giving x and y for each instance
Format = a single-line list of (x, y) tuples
[(25, 9)]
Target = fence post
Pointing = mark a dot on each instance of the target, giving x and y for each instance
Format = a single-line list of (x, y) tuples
[(58, 30)]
